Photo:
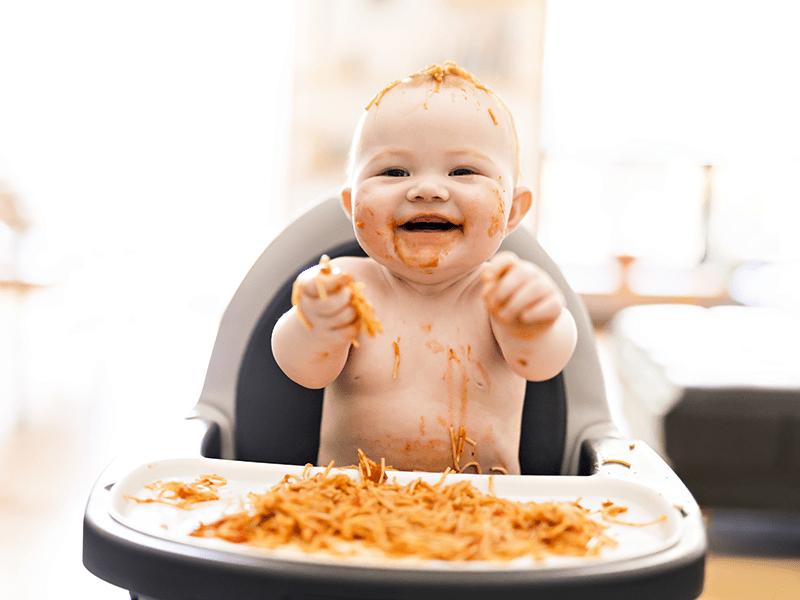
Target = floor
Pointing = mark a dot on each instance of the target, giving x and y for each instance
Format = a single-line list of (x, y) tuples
[(48, 467), (49, 464)]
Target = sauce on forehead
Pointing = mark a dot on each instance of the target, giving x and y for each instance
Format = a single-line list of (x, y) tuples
[(437, 72)]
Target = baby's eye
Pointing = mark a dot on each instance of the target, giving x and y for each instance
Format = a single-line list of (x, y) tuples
[(461, 171), (395, 172)]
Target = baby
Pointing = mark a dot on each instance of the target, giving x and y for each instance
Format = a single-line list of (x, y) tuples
[(433, 190)]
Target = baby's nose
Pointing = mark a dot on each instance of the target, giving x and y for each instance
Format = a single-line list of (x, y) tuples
[(428, 189)]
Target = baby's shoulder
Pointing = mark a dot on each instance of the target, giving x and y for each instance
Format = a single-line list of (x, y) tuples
[(362, 269)]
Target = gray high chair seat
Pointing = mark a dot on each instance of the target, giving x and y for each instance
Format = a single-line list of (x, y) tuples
[(250, 411)]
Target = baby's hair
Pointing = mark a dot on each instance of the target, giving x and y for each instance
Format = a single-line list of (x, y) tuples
[(449, 75)]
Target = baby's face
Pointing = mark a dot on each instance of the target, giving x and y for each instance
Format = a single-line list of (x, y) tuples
[(433, 182)]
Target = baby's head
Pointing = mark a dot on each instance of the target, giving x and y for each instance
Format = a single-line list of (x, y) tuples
[(447, 78), (432, 183)]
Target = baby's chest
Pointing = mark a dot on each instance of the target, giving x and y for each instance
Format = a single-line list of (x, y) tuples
[(430, 350)]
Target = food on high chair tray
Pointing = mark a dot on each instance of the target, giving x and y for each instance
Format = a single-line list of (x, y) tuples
[(332, 512), (372, 510)]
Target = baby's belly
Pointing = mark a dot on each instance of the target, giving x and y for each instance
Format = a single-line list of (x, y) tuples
[(416, 432)]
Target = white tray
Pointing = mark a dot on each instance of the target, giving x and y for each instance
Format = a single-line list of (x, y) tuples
[(175, 524)]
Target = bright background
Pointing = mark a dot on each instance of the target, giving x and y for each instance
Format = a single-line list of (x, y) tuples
[(156, 147), (147, 144)]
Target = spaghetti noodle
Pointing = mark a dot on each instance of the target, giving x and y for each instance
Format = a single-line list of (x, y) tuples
[(184, 495), (366, 321), (339, 515), (610, 511), (396, 347), (437, 73), (457, 449)]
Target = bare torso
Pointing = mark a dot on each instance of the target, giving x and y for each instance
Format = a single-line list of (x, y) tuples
[(435, 367)]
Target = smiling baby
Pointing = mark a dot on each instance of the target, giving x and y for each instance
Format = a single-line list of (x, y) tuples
[(432, 192)]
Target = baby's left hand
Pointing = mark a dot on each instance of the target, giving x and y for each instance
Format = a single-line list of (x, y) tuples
[(520, 296)]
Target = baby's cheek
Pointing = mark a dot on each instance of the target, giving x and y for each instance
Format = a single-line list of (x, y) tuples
[(499, 219), (373, 233), (488, 214)]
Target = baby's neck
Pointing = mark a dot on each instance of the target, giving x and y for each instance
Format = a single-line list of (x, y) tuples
[(449, 288)]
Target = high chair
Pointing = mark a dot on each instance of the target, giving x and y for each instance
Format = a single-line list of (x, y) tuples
[(249, 411)]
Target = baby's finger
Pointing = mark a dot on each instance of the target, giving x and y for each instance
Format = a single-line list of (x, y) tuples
[(498, 266), (322, 318), (545, 311), (343, 319), (332, 304), (332, 282), (322, 284), (530, 292), (499, 292)]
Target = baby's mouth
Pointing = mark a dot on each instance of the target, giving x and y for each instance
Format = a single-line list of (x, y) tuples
[(422, 241), (429, 223)]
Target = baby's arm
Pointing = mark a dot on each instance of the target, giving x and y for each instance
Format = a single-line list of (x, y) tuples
[(533, 328), (311, 341)]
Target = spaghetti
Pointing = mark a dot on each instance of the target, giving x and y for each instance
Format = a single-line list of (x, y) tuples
[(339, 515), (610, 511), (457, 450), (396, 347), (366, 321), (437, 73), (184, 495)]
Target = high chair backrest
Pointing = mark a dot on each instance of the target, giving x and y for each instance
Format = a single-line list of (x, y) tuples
[(268, 418)]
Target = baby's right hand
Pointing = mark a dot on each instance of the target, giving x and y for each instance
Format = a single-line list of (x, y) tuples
[(322, 298)]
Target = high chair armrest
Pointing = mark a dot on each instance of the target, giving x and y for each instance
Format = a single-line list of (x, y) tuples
[(635, 461)]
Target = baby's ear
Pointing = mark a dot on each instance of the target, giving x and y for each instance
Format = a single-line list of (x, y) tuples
[(347, 205), (520, 205)]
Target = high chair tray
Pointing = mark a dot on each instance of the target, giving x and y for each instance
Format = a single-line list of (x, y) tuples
[(176, 524), (147, 547)]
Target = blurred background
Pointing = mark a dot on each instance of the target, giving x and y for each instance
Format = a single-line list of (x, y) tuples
[(149, 151)]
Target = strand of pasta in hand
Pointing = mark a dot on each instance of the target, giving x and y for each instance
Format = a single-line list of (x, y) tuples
[(324, 270), (366, 321)]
